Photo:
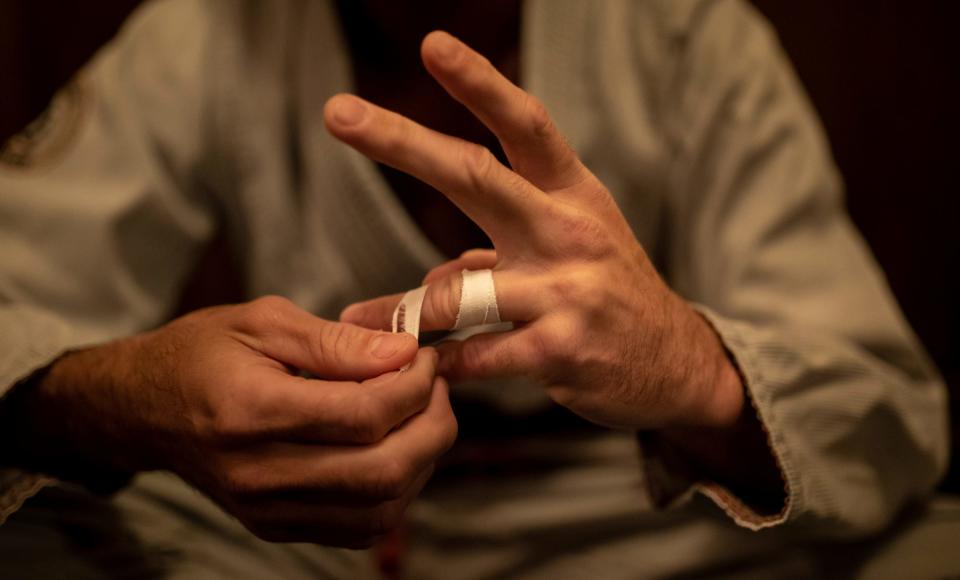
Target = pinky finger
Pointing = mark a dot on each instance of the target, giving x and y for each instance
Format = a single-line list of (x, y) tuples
[(490, 356)]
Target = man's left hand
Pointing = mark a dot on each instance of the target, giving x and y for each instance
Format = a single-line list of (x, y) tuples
[(594, 322)]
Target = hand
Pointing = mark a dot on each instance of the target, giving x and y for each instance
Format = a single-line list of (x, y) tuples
[(216, 397), (594, 321)]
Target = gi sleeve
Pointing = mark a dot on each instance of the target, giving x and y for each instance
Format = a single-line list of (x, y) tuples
[(854, 412), (102, 211)]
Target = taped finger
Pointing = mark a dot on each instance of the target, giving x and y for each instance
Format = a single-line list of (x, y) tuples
[(478, 300)]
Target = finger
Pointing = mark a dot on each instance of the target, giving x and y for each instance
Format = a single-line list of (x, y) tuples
[(373, 313), (501, 202), (491, 356), (479, 259), (532, 142), (278, 329), (297, 409), (441, 304), (378, 472)]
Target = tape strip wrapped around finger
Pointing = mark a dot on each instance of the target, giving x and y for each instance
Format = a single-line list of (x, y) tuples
[(478, 300), (478, 304)]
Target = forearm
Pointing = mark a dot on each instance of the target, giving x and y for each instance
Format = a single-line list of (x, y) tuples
[(56, 422)]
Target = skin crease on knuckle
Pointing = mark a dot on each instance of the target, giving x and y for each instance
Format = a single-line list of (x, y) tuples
[(559, 339), (263, 313), (478, 164), (390, 479), (538, 121), (344, 341), (368, 420), (584, 235)]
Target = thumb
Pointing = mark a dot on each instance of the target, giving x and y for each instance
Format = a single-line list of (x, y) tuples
[(329, 350)]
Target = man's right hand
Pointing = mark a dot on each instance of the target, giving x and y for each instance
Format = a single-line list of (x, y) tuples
[(218, 397)]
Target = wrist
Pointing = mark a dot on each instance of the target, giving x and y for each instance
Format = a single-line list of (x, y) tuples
[(714, 387), (719, 436), (59, 425)]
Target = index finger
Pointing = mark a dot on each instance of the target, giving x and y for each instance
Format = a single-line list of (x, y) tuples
[(504, 204)]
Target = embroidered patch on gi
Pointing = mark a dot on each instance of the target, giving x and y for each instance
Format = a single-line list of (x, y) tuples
[(50, 135)]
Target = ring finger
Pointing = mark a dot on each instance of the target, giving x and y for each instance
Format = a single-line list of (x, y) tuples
[(516, 302)]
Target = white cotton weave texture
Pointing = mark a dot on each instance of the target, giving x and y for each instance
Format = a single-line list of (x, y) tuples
[(478, 300)]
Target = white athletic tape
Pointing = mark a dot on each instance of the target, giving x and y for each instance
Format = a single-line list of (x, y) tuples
[(478, 304), (478, 300), (406, 316)]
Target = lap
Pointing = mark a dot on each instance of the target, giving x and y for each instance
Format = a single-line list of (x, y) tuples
[(156, 528), (584, 520)]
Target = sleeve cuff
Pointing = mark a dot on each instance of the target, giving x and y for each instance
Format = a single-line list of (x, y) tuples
[(671, 480), (17, 487), (31, 340)]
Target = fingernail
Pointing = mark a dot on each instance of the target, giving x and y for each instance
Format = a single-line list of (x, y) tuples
[(387, 345), (348, 110), (384, 378), (445, 47)]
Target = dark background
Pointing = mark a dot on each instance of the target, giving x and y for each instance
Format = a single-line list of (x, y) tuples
[(884, 75)]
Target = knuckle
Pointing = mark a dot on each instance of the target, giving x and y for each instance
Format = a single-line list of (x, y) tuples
[(578, 287), (262, 314), (478, 163), (225, 427), (333, 343), (545, 346), (390, 480), (475, 358), (480, 61), (224, 420), (584, 234), (368, 422), (557, 340), (449, 432), (433, 273), (269, 307), (470, 358), (538, 119)]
